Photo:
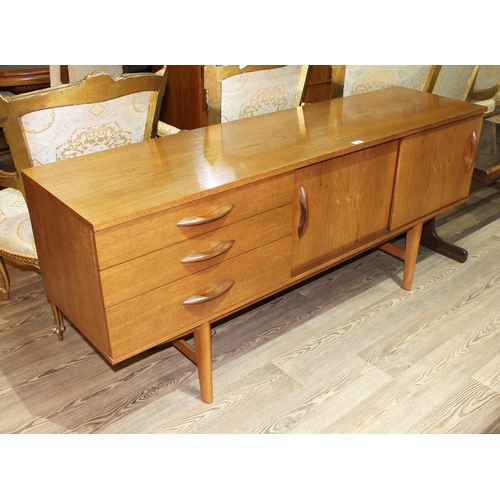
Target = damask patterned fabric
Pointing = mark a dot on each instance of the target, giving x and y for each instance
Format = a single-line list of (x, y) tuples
[(66, 132), (16, 234), (454, 81), (259, 92), (359, 79), (487, 77)]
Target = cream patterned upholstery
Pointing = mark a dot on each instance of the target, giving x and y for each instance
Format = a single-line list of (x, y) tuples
[(455, 81), (59, 133), (236, 92), (259, 92), (359, 79), (15, 225)]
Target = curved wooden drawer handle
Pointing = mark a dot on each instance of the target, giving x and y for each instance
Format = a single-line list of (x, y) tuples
[(216, 292), (222, 247), (304, 212), (196, 221), (471, 156)]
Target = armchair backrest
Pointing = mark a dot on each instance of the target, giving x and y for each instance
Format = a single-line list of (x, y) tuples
[(235, 92), (97, 113), (60, 74), (454, 81), (487, 83), (349, 80)]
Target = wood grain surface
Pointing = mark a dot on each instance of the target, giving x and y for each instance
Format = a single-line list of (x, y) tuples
[(346, 352)]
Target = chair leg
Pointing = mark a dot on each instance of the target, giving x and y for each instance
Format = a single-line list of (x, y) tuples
[(59, 326), (4, 281)]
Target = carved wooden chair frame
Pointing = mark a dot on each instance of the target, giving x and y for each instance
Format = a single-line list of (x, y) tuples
[(215, 75)]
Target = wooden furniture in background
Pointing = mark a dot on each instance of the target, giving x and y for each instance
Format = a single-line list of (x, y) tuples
[(187, 229), (319, 84), (20, 79), (233, 92), (356, 79), (185, 106)]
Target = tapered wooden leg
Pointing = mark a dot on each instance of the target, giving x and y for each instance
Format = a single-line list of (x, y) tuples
[(411, 254), (408, 255), (203, 348)]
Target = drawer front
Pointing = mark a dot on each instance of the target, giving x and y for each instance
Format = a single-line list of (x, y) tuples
[(161, 315), (138, 276), (434, 170), (149, 234)]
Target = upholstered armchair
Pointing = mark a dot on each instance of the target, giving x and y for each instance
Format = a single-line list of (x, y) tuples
[(63, 74), (235, 92), (80, 118), (355, 79)]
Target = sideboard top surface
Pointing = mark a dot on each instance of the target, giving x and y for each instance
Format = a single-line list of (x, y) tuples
[(122, 184)]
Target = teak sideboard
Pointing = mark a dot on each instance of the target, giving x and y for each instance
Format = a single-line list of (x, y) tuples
[(148, 243)]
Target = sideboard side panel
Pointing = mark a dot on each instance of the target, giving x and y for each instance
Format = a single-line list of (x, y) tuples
[(66, 252)]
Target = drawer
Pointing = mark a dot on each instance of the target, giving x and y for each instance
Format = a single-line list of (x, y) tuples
[(138, 276), (128, 241), (161, 315)]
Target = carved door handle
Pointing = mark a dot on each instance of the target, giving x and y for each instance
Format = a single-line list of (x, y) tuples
[(471, 155), (222, 247), (304, 212), (215, 215), (215, 293)]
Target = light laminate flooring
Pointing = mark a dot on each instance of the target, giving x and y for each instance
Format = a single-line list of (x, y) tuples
[(346, 352)]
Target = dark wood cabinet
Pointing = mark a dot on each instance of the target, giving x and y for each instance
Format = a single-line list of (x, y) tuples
[(319, 84)]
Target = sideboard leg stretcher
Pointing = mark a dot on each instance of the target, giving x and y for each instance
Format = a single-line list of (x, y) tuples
[(201, 356)]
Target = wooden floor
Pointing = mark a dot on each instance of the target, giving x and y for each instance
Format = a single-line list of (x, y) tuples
[(347, 352)]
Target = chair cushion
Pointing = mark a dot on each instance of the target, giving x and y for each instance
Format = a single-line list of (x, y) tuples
[(16, 235), (488, 103)]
